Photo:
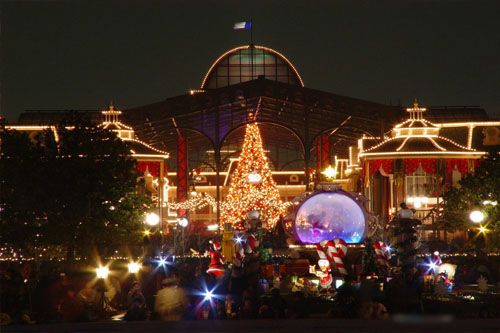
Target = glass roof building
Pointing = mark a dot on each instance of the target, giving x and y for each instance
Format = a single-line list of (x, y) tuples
[(246, 63)]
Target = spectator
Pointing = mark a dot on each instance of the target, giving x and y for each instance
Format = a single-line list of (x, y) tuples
[(171, 300), (405, 212), (135, 293), (137, 310), (278, 304), (298, 308)]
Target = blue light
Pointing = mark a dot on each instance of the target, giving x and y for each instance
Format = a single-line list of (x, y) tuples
[(238, 239), (432, 266), (208, 295), (162, 262)]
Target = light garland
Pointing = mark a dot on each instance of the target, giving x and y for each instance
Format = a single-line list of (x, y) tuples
[(197, 202)]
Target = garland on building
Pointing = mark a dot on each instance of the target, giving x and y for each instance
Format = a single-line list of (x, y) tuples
[(252, 186), (198, 202)]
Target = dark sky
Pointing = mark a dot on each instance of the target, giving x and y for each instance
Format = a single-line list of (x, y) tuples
[(81, 54)]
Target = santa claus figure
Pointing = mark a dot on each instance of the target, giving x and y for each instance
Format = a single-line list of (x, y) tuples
[(324, 274), (216, 266)]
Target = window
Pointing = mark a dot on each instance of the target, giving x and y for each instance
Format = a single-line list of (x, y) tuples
[(420, 184)]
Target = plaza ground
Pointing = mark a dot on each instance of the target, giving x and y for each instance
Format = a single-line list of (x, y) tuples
[(400, 325)]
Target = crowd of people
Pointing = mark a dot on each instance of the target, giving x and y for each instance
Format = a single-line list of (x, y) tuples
[(185, 291)]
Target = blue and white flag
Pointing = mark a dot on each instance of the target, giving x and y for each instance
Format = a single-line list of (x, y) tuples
[(243, 25)]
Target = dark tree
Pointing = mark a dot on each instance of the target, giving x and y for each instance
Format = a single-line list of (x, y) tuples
[(84, 189), (477, 191), (22, 195)]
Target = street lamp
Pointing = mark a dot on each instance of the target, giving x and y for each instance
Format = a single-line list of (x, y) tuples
[(477, 216), (152, 219), (102, 272), (183, 222), (134, 267)]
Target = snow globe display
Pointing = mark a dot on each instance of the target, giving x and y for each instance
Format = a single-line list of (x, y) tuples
[(330, 215)]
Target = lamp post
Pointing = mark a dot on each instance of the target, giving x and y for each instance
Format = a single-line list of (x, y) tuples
[(478, 217), (182, 222), (102, 273), (153, 220)]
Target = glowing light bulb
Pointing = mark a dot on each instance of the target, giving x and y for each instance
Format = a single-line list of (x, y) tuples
[(134, 267), (330, 172), (183, 222), (152, 219), (208, 295), (483, 230), (476, 216), (102, 272), (254, 178)]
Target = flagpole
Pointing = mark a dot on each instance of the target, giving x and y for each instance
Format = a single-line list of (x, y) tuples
[(251, 31), (251, 48)]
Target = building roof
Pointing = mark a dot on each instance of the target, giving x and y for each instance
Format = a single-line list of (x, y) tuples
[(290, 117), (248, 62), (142, 150), (417, 136), (430, 144)]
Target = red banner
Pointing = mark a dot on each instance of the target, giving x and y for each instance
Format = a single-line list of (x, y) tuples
[(428, 165), (152, 167), (462, 166), (387, 166)]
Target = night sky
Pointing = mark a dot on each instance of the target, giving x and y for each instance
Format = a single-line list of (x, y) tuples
[(81, 54)]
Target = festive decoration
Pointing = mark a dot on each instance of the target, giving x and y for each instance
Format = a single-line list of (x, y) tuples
[(385, 166), (334, 251), (382, 254), (323, 273), (216, 266), (245, 196), (406, 242), (197, 202), (329, 215)]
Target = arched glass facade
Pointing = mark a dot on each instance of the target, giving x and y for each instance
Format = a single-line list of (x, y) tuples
[(248, 63)]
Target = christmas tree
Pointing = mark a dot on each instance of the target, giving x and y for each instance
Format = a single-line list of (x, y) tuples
[(252, 187)]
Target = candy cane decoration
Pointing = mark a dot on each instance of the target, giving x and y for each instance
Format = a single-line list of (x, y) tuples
[(321, 252), (381, 253), (336, 250)]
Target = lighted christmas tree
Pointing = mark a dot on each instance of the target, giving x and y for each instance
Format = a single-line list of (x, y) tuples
[(252, 187)]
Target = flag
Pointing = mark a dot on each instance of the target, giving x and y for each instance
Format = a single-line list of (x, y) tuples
[(243, 25)]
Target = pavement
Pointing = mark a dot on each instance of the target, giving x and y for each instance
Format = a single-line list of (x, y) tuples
[(399, 325)]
